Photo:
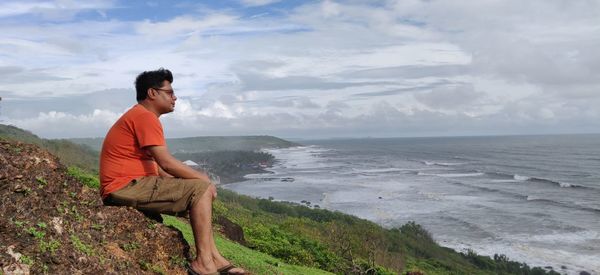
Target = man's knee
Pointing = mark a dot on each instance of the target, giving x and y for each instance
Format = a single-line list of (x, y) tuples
[(203, 194)]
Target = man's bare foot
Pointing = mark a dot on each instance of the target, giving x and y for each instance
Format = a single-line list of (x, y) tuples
[(222, 263), (203, 266)]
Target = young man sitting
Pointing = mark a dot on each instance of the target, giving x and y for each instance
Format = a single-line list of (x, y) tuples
[(136, 169)]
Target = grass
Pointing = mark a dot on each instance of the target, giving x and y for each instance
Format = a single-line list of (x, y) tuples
[(253, 261), (84, 177), (82, 247)]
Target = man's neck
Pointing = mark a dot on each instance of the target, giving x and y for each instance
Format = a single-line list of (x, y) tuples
[(149, 107)]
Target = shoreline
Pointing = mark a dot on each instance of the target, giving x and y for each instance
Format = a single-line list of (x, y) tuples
[(241, 177)]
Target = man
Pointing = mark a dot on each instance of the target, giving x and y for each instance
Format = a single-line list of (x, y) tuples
[(137, 170)]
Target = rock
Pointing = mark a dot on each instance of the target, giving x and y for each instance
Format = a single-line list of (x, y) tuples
[(73, 222), (232, 230), (57, 225), (101, 216), (16, 269), (584, 273), (15, 255)]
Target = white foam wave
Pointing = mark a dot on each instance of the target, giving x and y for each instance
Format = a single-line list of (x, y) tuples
[(452, 175), (521, 178), (565, 185), (381, 170), (430, 163)]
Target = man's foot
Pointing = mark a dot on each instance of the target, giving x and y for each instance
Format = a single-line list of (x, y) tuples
[(230, 269), (196, 267), (190, 271)]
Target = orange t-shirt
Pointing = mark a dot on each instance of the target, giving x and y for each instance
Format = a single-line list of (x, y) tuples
[(123, 157)]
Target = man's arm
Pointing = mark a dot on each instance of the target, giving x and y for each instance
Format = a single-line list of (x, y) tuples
[(173, 166)]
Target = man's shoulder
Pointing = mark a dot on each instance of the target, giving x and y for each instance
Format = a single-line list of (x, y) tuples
[(138, 111)]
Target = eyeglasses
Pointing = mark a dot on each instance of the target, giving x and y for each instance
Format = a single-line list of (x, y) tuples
[(171, 93)]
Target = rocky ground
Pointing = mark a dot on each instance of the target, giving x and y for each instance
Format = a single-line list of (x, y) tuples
[(52, 223)]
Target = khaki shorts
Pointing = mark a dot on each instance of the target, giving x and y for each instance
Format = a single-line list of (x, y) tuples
[(159, 194)]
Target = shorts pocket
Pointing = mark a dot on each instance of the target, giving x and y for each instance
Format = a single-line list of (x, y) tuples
[(165, 191)]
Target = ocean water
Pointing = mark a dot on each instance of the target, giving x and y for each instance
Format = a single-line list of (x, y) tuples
[(533, 198)]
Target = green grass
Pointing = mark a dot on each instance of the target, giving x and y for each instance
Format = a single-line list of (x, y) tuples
[(82, 247), (253, 261), (84, 177)]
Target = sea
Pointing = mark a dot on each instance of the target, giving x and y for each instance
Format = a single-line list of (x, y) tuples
[(535, 199)]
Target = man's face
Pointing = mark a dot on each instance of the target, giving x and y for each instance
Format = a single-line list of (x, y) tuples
[(166, 98)]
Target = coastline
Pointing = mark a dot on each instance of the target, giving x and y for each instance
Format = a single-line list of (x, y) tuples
[(241, 177)]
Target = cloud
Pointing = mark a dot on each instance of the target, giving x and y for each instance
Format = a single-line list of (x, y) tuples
[(19, 107), (450, 97), (54, 10), (184, 25), (255, 81), (255, 3), (330, 67), (52, 124), (410, 71)]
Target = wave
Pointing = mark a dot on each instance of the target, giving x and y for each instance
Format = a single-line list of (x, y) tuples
[(531, 198), (521, 178), (381, 170), (445, 164), (562, 204), (452, 175), (472, 228), (558, 183)]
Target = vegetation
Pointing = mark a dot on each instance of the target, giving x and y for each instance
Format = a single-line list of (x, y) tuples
[(204, 144), (251, 260), (85, 178), (345, 244), (293, 239), (69, 153)]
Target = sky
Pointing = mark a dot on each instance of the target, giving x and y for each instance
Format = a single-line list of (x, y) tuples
[(306, 69)]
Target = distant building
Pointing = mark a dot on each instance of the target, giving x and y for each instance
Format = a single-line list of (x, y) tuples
[(190, 163)]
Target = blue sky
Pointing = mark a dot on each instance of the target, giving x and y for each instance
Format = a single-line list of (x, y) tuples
[(307, 69)]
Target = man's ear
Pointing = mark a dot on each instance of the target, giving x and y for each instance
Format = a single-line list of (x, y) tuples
[(151, 93)]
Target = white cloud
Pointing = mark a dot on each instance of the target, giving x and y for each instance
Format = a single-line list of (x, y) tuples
[(59, 124), (183, 25), (350, 67), (254, 3), (58, 9)]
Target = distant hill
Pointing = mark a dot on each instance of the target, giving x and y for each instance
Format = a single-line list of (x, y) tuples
[(69, 153), (207, 144)]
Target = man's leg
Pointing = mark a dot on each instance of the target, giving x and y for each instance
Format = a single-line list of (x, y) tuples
[(154, 194), (220, 261), (200, 219)]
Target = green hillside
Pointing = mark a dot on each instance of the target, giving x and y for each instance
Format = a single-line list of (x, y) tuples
[(70, 154), (204, 144), (302, 240)]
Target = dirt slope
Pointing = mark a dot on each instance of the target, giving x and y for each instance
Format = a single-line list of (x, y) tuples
[(51, 223)]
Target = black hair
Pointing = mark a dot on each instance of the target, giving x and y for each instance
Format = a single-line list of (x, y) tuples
[(151, 79)]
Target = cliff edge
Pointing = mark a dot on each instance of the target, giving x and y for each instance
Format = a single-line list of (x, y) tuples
[(52, 223)]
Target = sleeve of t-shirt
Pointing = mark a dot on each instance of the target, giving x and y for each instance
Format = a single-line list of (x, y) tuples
[(148, 130)]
